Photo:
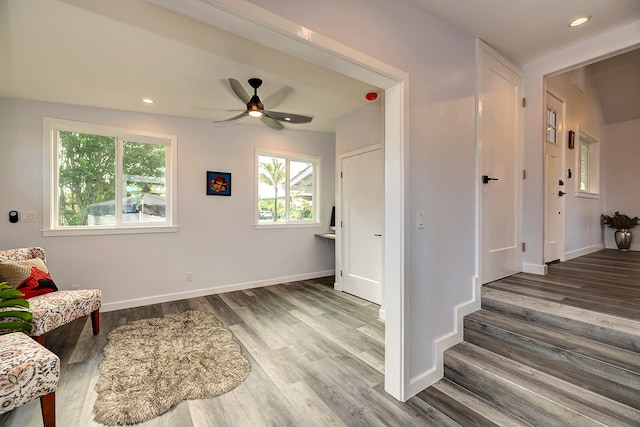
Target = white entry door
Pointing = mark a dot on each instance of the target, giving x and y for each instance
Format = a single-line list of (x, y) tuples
[(555, 184), (362, 217), (500, 139)]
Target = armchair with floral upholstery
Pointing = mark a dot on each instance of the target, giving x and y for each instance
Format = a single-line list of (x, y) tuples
[(51, 308)]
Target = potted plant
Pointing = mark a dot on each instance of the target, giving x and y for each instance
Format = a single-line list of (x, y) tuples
[(14, 312), (623, 224)]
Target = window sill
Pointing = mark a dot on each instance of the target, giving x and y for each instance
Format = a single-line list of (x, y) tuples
[(95, 231), (587, 195), (288, 225)]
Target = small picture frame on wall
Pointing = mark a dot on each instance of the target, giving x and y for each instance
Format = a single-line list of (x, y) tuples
[(571, 139), (218, 183)]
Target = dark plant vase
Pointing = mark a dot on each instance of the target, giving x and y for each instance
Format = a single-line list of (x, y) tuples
[(623, 239)]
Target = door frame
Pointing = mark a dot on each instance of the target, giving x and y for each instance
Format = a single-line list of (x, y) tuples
[(563, 167), (252, 22), (483, 48), (338, 247)]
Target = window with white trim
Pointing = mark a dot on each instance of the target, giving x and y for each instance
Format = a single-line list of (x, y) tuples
[(588, 181), (288, 188), (105, 179), (552, 125)]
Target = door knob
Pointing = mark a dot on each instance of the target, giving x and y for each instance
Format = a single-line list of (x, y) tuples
[(561, 193), (486, 179)]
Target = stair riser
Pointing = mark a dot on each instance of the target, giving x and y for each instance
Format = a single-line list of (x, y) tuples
[(585, 329), (605, 379)]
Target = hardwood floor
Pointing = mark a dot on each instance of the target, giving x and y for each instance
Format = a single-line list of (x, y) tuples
[(606, 281), (317, 355), (317, 359)]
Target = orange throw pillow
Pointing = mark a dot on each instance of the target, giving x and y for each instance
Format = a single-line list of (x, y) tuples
[(37, 283)]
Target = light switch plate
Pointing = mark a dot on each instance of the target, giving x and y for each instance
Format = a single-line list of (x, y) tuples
[(420, 219), (27, 217)]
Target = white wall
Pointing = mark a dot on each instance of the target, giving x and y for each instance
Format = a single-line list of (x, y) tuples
[(216, 239), (440, 61), (585, 51), (360, 128), (622, 157), (583, 233)]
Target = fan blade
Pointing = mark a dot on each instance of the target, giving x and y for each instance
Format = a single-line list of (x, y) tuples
[(288, 118), (271, 122), (239, 116), (239, 90), (276, 98)]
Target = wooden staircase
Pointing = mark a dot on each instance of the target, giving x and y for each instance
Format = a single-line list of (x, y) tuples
[(533, 361)]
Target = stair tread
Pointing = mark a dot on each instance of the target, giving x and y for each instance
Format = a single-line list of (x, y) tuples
[(609, 371), (621, 332), (467, 408), (619, 357), (535, 391)]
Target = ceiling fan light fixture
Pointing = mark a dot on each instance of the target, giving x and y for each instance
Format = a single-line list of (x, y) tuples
[(255, 107), (579, 21)]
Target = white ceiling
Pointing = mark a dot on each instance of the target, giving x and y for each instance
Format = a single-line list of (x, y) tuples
[(525, 30), (112, 53)]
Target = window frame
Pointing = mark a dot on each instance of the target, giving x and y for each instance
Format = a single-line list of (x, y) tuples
[(51, 127), (317, 190), (593, 165), (551, 128)]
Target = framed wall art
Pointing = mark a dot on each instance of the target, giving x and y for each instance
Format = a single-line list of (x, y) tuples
[(218, 183)]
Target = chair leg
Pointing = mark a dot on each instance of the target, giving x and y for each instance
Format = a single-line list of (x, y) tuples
[(48, 405), (95, 321)]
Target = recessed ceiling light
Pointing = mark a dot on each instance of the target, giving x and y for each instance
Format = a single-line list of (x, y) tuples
[(579, 21), (147, 100)]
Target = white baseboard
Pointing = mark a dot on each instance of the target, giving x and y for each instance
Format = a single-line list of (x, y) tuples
[(583, 251), (633, 247), (534, 268), (137, 302), (431, 376)]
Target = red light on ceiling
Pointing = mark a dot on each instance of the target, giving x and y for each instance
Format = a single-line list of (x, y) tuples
[(371, 96)]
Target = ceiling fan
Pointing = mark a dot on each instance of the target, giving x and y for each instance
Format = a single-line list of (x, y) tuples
[(255, 107)]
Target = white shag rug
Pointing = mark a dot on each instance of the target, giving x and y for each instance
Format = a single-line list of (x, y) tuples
[(151, 365)]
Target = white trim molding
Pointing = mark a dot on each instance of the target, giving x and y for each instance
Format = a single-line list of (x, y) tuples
[(540, 269), (441, 344), (138, 302)]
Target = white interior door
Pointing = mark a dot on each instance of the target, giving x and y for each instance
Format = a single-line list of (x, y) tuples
[(362, 218), (554, 180), (500, 165)]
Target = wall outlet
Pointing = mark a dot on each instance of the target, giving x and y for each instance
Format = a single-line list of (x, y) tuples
[(189, 276)]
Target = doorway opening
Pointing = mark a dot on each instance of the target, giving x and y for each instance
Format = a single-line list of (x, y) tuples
[(271, 30)]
